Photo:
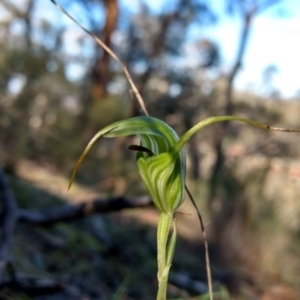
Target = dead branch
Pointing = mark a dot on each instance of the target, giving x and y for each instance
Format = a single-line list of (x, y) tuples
[(32, 286), (68, 213), (8, 221)]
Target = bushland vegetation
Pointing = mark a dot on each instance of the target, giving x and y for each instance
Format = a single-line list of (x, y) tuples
[(97, 241)]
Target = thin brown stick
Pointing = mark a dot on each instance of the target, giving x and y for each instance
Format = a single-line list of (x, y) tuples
[(112, 54), (207, 260), (282, 129)]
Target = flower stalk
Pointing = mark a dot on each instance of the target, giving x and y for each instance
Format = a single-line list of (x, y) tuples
[(165, 252), (162, 166)]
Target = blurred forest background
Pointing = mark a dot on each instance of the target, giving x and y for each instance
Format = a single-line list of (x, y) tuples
[(58, 88)]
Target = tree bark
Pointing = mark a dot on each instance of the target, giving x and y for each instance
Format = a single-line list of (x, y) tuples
[(229, 109), (101, 72)]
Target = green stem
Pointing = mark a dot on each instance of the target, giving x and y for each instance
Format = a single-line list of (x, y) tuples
[(213, 120), (165, 252)]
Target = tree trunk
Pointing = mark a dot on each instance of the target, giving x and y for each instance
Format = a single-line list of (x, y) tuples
[(101, 73)]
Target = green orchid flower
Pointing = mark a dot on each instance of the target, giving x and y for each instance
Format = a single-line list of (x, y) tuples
[(162, 165), (162, 170)]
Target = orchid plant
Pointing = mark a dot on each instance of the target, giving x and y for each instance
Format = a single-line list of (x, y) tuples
[(161, 162)]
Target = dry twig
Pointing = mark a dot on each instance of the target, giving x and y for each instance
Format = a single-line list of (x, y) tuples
[(208, 270), (112, 54)]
